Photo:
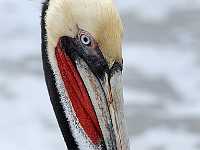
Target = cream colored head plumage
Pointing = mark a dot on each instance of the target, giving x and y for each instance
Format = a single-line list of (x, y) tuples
[(98, 17), (85, 79)]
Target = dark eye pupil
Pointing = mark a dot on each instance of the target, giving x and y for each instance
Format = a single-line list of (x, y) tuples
[(85, 39)]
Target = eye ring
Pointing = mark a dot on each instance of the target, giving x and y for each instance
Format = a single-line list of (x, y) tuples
[(85, 40)]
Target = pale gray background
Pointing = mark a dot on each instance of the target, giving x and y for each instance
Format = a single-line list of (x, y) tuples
[(161, 77)]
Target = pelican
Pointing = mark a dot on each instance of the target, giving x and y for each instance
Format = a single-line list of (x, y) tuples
[(82, 62)]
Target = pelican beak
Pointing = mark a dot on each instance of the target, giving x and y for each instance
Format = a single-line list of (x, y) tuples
[(95, 93)]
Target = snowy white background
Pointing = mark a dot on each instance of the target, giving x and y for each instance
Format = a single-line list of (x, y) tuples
[(161, 76)]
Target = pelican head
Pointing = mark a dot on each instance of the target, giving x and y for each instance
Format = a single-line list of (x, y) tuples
[(82, 60)]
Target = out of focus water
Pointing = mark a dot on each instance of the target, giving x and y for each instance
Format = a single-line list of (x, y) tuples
[(161, 76)]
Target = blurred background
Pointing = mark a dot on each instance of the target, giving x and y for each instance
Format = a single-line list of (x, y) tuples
[(161, 76)]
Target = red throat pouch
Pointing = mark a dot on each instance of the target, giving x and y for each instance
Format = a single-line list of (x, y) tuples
[(78, 96)]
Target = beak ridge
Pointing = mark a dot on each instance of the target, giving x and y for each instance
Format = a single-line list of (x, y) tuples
[(107, 99)]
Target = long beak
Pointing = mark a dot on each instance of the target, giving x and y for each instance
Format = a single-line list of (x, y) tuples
[(107, 99), (97, 103)]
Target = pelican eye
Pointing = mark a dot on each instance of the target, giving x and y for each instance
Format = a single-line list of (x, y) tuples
[(85, 40)]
